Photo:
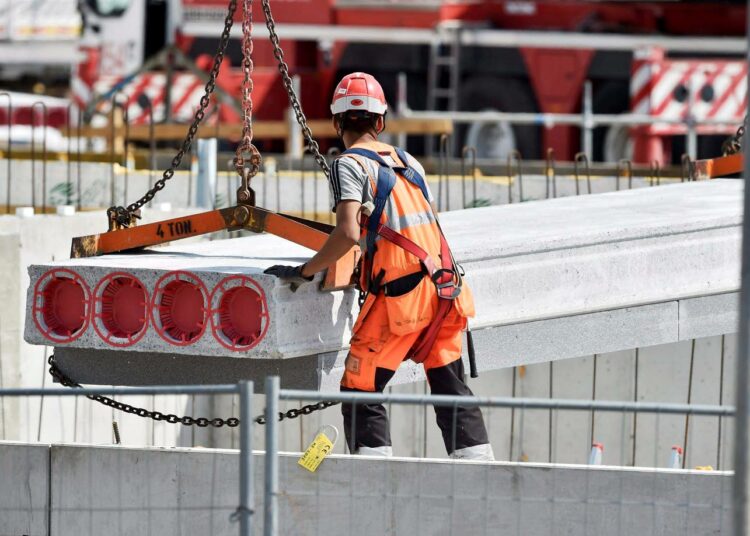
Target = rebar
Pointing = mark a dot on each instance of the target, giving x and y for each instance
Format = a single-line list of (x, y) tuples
[(145, 103), (581, 158), (685, 164), (126, 141), (515, 155), (655, 173), (550, 174), (44, 154), (627, 165), (443, 159), (112, 137), (9, 155), (468, 150)]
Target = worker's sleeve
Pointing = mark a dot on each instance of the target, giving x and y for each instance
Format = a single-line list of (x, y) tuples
[(348, 181)]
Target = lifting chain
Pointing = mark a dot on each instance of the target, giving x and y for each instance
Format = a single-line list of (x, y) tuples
[(122, 216), (312, 145), (246, 141), (202, 422), (733, 144)]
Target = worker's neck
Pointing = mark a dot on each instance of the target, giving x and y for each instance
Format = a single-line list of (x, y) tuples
[(354, 138)]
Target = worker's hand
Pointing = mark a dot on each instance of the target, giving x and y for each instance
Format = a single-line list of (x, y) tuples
[(292, 274)]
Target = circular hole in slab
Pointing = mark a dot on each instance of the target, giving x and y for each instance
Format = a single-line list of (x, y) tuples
[(64, 306), (241, 315), (123, 307), (182, 311)]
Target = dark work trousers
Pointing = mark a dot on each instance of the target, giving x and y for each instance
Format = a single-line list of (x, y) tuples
[(366, 425)]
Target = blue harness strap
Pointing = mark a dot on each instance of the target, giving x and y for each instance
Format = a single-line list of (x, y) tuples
[(386, 182), (411, 174)]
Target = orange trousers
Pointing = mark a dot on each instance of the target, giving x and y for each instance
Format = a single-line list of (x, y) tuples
[(374, 346), (375, 355)]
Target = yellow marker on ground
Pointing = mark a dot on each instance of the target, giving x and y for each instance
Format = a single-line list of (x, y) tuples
[(320, 447)]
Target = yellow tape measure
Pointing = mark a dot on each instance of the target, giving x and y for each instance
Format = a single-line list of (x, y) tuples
[(320, 447)]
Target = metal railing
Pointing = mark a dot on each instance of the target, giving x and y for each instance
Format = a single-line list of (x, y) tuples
[(274, 395), (246, 512), (245, 509)]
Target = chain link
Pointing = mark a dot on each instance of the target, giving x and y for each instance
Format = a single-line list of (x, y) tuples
[(733, 144), (123, 215), (278, 53), (186, 420), (246, 140)]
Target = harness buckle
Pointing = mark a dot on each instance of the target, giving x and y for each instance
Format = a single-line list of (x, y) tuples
[(451, 284)]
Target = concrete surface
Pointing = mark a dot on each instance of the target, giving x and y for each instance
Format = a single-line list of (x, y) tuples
[(120, 491), (24, 489)]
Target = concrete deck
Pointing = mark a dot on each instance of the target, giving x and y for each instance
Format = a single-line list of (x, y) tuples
[(552, 279), (121, 491)]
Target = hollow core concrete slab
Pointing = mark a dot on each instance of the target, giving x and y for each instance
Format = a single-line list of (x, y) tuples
[(609, 271)]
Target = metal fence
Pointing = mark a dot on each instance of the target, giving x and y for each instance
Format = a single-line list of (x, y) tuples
[(415, 497)]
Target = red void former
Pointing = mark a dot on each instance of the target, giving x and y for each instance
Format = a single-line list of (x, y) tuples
[(61, 305), (239, 317), (120, 309), (179, 308)]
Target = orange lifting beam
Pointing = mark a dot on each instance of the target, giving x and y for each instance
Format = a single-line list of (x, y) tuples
[(307, 233), (712, 168)]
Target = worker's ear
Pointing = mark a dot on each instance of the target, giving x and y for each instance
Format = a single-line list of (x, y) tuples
[(380, 124), (336, 126)]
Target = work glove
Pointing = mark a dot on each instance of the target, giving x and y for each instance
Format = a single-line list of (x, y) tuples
[(291, 274)]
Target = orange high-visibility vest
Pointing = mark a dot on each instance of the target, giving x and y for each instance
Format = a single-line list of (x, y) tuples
[(412, 232)]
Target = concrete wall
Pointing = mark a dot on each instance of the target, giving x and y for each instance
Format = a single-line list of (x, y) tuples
[(24, 489), (119, 491), (26, 241), (658, 374)]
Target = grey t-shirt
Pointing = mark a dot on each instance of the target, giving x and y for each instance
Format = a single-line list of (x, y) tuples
[(350, 182)]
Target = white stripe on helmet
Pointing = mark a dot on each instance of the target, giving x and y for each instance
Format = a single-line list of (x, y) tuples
[(358, 102)]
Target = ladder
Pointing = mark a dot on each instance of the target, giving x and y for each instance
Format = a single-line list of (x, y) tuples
[(443, 74), (444, 69)]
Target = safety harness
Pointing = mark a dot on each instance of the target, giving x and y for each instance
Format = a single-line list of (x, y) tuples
[(446, 276)]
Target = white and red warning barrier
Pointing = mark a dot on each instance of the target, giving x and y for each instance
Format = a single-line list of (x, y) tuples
[(678, 89), (186, 92)]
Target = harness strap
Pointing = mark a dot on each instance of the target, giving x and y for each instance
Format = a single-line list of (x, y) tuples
[(401, 241), (386, 182), (443, 277)]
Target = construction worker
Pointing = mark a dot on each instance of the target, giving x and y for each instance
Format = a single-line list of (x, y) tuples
[(413, 302)]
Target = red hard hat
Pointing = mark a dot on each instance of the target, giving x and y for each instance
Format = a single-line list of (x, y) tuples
[(359, 91)]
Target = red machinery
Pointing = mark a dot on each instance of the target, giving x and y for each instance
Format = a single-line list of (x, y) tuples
[(481, 63)]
